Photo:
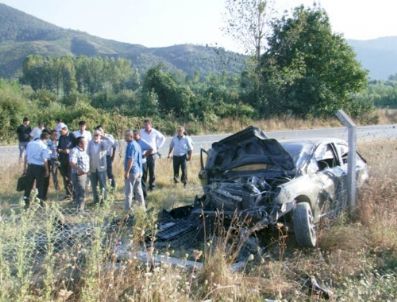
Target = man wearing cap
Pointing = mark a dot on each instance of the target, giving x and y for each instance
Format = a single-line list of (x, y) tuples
[(36, 168), (156, 140), (65, 145), (132, 172), (23, 132), (60, 124), (97, 151), (80, 164), (182, 148)]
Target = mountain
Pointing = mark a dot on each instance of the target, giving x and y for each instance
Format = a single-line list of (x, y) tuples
[(378, 56), (22, 34)]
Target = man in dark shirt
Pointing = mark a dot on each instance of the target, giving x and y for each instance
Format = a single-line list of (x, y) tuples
[(65, 145), (23, 132)]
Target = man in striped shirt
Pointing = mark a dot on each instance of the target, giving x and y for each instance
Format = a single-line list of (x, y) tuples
[(80, 164)]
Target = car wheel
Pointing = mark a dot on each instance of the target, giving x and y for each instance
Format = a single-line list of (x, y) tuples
[(304, 229)]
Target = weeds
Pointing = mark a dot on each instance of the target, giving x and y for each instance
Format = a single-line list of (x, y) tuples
[(52, 254)]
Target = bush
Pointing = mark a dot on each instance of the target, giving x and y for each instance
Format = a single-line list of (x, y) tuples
[(13, 106)]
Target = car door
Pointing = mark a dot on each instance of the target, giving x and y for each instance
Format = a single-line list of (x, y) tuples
[(331, 178), (361, 165)]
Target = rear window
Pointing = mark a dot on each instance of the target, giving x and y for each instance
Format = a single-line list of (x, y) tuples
[(294, 150)]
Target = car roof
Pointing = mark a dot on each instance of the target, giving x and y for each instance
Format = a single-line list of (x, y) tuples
[(301, 149), (312, 141)]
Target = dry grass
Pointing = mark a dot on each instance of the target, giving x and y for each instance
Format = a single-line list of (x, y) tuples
[(228, 125), (386, 116), (283, 122), (378, 207), (356, 259)]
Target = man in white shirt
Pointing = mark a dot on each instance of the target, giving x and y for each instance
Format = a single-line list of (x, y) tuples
[(182, 148), (156, 140), (36, 132), (36, 167), (82, 132)]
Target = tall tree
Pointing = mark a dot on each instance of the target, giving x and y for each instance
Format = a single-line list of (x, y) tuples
[(246, 23), (307, 69)]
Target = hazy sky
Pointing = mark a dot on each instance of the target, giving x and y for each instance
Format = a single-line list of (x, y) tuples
[(168, 22)]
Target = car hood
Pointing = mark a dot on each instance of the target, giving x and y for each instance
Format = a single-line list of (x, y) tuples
[(248, 147)]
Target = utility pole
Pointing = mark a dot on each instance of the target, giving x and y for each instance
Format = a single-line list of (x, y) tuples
[(351, 161)]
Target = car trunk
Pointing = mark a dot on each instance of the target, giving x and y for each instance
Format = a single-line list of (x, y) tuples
[(249, 148)]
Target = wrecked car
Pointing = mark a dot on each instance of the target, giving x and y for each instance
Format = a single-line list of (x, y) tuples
[(267, 182)]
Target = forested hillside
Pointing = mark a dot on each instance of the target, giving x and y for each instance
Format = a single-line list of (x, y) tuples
[(76, 76), (22, 35), (291, 79)]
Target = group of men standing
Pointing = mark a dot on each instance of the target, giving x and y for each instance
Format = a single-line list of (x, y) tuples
[(82, 158)]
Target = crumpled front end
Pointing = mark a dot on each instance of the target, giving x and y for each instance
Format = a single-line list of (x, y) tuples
[(253, 199)]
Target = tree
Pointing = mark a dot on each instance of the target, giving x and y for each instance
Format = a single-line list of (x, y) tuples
[(392, 78), (65, 75), (307, 69), (63, 70), (173, 97), (36, 72), (13, 105), (246, 23)]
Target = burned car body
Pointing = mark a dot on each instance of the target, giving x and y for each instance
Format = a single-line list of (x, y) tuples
[(265, 181)]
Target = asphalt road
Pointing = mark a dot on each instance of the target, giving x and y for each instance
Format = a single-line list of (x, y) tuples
[(9, 154)]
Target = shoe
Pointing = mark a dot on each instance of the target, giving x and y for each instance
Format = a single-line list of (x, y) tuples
[(27, 202), (176, 180), (112, 183), (81, 209), (67, 197)]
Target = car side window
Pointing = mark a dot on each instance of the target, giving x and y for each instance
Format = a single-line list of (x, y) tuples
[(344, 152), (326, 157)]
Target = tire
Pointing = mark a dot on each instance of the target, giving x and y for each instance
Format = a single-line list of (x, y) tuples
[(304, 229)]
